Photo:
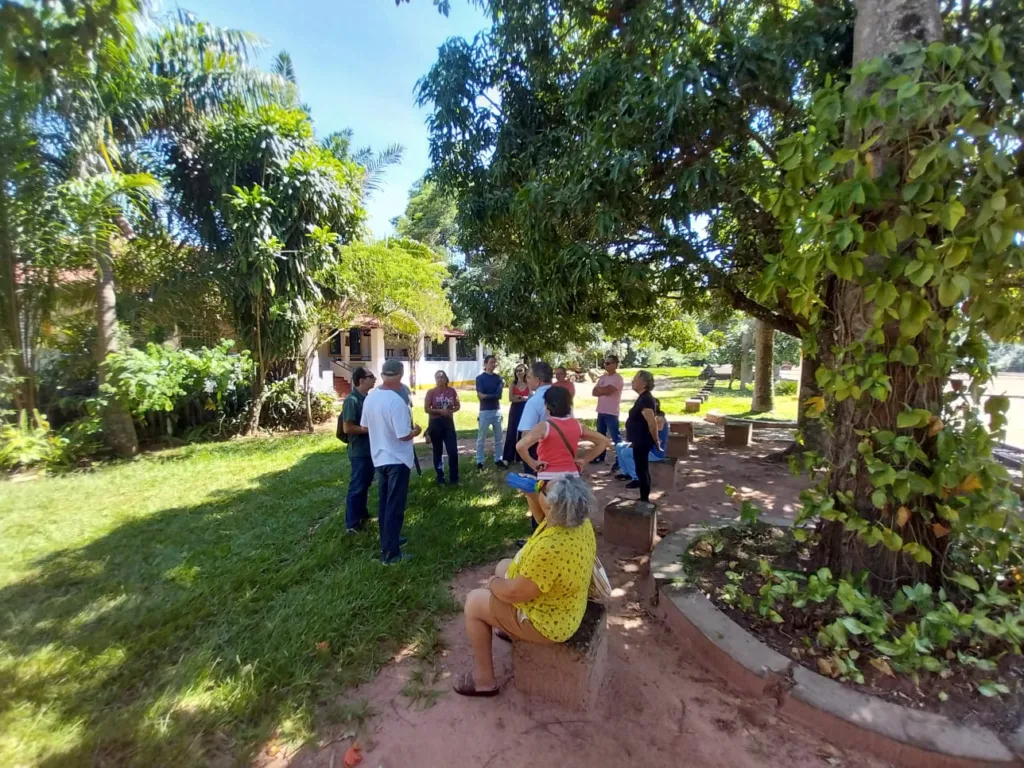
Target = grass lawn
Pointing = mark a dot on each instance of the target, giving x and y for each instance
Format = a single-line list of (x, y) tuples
[(168, 611)]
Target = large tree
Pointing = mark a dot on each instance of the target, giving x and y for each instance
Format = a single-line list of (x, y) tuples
[(125, 89), (903, 207), (272, 206), (608, 160)]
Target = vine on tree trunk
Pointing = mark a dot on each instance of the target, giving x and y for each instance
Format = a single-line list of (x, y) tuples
[(905, 195)]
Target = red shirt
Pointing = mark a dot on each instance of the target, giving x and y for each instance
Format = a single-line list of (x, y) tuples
[(566, 385), (552, 448)]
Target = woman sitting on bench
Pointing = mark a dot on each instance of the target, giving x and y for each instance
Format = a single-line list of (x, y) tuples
[(541, 595)]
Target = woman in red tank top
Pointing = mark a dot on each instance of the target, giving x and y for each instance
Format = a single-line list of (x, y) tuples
[(558, 439)]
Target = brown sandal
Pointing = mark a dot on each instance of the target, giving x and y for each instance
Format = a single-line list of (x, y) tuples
[(465, 686)]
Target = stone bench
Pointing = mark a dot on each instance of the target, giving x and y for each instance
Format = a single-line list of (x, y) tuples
[(630, 523), (693, 405), (681, 428), (678, 446), (737, 434), (568, 674)]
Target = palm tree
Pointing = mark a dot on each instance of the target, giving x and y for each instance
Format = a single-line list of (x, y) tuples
[(114, 105)]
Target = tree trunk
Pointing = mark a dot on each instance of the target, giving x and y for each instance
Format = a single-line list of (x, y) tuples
[(881, 26), (746, 343), (764, 368), (25, 391), (118, 428), (259, 395)]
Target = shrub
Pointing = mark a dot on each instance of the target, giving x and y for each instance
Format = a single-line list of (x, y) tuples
[(785, 387), (26, 443), (181, 392), (285, 406)]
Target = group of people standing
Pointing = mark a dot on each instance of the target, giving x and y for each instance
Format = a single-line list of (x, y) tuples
[(378, 425)]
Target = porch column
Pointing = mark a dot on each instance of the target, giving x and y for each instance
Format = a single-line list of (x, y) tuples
[(376, 350), (453, 349), (480, 355), (346, 351)]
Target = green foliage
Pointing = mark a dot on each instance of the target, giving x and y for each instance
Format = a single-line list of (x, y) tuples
[(906, 200), (603, 161), (786, 387), (429, 218), (274, 206), (28, 442), (193, 387), (399, 282), (285, 406)]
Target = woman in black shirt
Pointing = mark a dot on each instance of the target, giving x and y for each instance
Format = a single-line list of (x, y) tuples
[(642, 429)]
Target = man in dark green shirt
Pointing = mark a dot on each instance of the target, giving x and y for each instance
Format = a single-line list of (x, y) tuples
[(356, 512)]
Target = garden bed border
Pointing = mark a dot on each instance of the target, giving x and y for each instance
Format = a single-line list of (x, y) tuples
[(850, 718)]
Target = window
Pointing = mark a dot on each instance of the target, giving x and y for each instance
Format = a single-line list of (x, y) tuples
[(356, 346), (436, 350), (335, 344), (465, 349)]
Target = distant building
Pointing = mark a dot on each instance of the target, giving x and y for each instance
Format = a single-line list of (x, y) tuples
[(367, 344)]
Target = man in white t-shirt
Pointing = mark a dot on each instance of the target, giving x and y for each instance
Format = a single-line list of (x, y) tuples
[(388, 420)]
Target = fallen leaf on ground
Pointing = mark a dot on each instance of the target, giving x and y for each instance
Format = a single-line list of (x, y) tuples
[(882, 666), (825, 667), (353, 756)]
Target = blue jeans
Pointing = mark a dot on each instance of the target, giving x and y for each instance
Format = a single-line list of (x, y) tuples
[(394, 491), (608, 425), (487, 420), (624, 455), (356, 513)]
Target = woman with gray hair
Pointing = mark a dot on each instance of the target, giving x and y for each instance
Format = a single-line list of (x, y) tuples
[(541, 595), (642, 430)]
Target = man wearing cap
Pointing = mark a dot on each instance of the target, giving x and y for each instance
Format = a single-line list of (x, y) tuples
[(389, 422), (361, 478)]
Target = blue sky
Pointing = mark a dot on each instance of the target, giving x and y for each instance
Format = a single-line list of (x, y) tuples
[(357, 63)]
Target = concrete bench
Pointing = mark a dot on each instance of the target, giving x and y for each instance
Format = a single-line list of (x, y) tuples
[(630, 523), (678, 446), (737, 434), (568, 674), (693, 405), (681, 428)]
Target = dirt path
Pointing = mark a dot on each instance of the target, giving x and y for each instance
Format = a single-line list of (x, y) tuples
[(658, 706)]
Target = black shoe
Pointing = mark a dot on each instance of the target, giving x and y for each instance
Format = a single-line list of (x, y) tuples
[(398, 559), (479, 465), (623, 476), (402, 541), (615, 467), (440, 480), (454, 484), (633, 484), (501, 465)]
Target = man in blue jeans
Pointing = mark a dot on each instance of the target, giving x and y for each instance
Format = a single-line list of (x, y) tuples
[(489, 386), (608, 392), (356, 512), (389, 422)]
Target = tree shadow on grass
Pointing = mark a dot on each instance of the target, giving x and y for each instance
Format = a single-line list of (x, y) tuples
[(190, 635)]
